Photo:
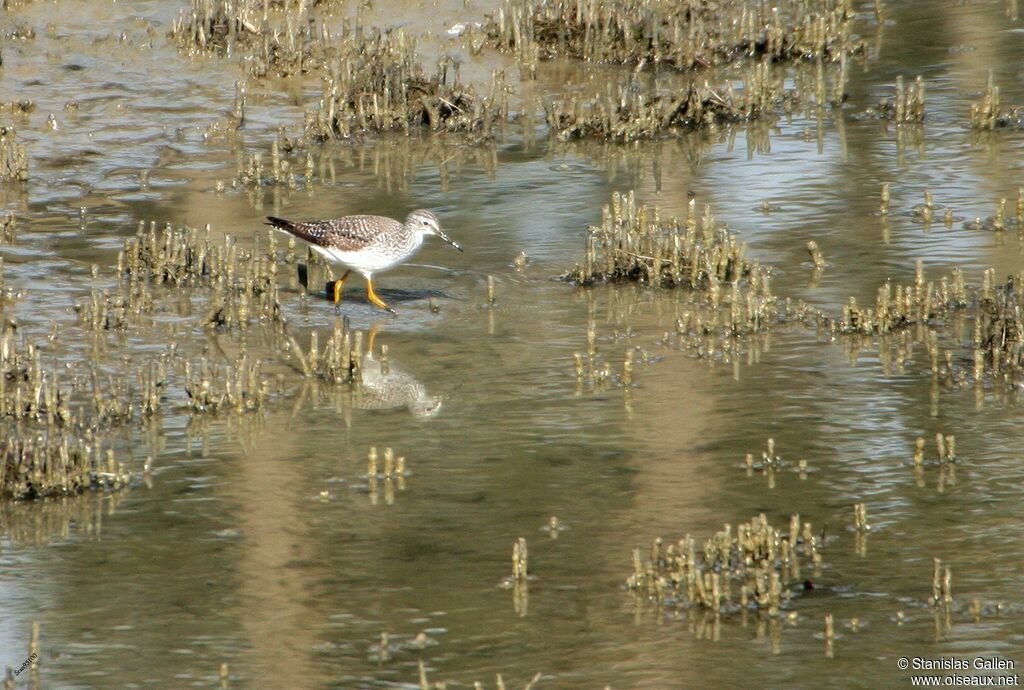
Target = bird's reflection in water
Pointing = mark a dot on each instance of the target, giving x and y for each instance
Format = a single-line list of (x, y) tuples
[(384, 386)]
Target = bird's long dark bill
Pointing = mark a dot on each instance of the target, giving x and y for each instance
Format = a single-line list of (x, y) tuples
[(449, 240)]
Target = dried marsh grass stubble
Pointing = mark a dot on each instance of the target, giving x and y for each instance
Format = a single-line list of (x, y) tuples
[(757, 565), (629, 111), (662, 32), (633, 243), (989, 114), (13, 157), (374, 82)]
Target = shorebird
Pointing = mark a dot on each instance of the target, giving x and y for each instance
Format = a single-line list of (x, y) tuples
[(367, 244)]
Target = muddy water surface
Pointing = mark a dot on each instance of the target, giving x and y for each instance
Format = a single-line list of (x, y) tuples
[(257, 540)]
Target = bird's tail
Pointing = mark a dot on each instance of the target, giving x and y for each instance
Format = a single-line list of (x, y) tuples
[(300, 230), (281, 223)]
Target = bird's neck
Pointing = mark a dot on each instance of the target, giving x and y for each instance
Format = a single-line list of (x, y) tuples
[(414, 241)]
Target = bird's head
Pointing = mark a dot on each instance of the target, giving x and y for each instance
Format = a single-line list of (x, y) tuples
[(426, 223)]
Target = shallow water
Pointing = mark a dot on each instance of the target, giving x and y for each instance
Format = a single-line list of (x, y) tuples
[(230, 552)]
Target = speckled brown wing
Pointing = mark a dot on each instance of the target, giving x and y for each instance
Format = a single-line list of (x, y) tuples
[(348, 234)]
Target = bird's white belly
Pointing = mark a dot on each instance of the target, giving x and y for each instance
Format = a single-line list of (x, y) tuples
[(362, 261)]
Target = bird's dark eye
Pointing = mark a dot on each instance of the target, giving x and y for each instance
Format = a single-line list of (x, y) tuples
[(426, 222)]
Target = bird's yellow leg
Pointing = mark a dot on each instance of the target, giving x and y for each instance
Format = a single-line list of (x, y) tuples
[(337, 286), (370, 342), (375, 299)]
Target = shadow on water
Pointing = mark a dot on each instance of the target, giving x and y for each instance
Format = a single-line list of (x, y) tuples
[(396, 295)]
